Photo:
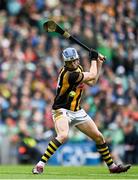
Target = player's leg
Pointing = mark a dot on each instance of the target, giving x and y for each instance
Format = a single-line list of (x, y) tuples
[(90, 129), (62, 129)]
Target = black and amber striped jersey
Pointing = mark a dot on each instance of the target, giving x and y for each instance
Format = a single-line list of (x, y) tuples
[(69, 89)]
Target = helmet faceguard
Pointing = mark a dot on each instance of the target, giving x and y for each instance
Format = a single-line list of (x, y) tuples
[(70, 54)]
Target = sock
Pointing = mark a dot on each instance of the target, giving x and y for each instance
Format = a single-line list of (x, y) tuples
[(52, 147), (104, 151)]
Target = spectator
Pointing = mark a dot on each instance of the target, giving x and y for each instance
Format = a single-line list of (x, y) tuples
[(130, 142)]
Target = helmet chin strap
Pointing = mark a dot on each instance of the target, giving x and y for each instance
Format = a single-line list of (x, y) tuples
[(70, 69)]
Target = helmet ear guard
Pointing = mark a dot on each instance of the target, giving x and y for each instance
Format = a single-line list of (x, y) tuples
[(70, 54)]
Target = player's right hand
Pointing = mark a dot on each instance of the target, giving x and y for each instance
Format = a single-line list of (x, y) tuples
[(93, 55)]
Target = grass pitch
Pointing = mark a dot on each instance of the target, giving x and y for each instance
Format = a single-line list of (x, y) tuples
[(60, 172)]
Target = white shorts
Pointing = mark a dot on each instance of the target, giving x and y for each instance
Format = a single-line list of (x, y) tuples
[(74, 117)]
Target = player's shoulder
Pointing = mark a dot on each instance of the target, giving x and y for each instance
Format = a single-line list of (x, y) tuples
[(76, 71), (81, 68)]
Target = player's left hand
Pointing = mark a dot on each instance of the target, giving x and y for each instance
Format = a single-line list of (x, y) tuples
[(101, 58)]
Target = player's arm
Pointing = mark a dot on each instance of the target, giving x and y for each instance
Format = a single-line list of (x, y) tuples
[(91, 77), (99, 66)]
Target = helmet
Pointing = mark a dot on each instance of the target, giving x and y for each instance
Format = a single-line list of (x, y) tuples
[(70, 54)]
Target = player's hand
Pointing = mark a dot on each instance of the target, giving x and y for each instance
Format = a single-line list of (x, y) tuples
[(101, 58), (93, 55)]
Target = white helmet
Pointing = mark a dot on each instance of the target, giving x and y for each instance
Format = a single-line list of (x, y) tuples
[(70, 54)]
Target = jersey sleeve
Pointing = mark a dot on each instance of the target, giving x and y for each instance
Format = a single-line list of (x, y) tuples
[(75, 77)]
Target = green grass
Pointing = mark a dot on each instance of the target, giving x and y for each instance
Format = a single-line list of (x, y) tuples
[(60, 172)]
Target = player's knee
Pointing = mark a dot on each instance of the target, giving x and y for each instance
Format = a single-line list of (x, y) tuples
[(63, 137), (99, 138)]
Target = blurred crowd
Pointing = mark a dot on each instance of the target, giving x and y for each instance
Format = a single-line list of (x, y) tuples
[(30, 60)]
